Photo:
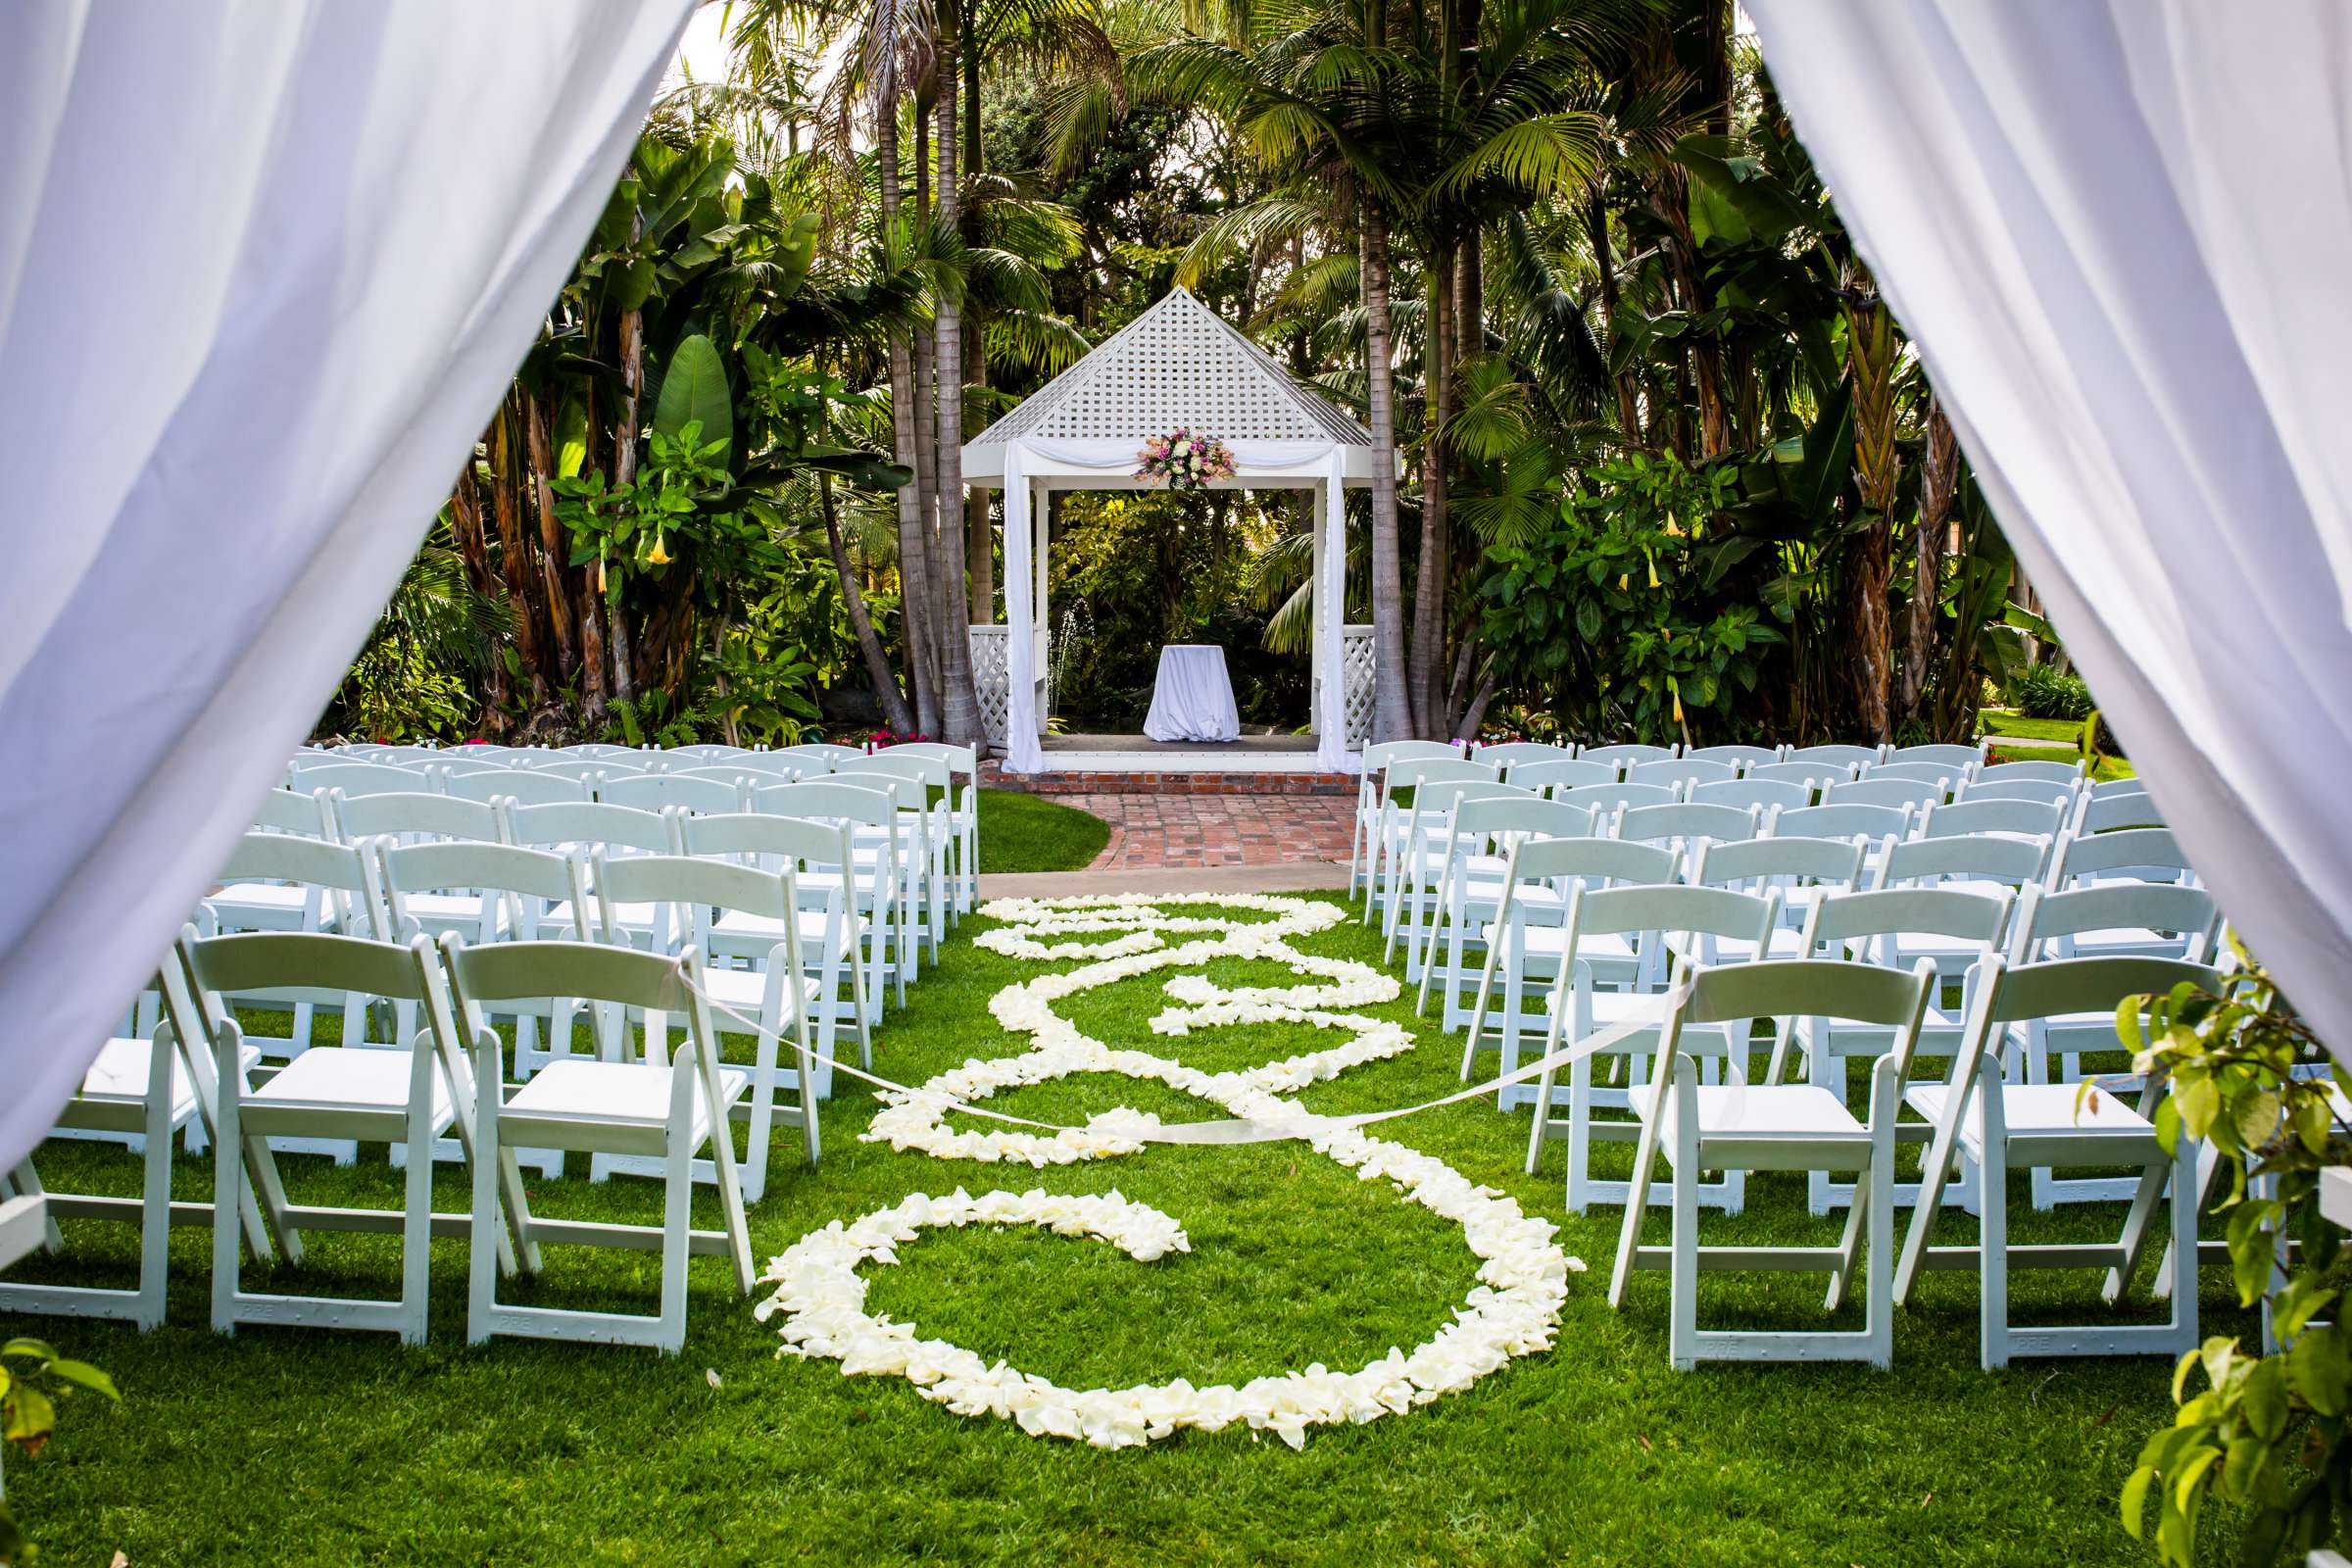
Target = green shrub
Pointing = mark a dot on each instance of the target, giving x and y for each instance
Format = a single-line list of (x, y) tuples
[(2043, 692)]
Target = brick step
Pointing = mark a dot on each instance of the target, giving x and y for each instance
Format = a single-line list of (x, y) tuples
[(993, 776)]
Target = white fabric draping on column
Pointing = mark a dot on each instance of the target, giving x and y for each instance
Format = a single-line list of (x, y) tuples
[(2116, 228), (266, 268), (1332, 754), (1022, 753)]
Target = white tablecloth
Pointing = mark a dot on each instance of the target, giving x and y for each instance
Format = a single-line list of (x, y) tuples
[(1192, 699)]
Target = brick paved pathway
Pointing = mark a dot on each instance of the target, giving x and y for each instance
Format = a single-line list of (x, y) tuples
[(1191, 831)]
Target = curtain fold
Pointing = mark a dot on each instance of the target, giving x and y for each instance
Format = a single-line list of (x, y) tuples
[(2116, 231), (266, 269)]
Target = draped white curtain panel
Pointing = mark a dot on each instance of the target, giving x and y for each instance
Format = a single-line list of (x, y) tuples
[(266, 269), (2117, 231)]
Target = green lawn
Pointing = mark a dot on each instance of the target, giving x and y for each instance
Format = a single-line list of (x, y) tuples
[(318, 1448), (1028, 833), (2000, 722)]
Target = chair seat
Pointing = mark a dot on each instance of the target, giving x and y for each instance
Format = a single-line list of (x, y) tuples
[(1552, 940), (618, 1094), (2040, 1110), (118, 1077), (349, 1079), (743, 924), (1790, 1113), (1785, 942)]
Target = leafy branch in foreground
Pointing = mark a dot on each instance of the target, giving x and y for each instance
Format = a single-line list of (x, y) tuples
[(29, 1374), (2268, 1433)]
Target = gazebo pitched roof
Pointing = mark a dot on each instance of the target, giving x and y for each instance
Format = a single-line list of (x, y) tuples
[(1178, 364)]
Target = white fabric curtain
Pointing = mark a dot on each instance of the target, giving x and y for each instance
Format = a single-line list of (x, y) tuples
[(2117, 231), (1022, 753), (265, 266)]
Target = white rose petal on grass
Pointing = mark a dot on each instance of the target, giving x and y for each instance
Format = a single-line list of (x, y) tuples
[(1513, 1310)]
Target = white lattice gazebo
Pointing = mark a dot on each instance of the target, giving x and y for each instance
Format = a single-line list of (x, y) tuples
[(1178, 364)]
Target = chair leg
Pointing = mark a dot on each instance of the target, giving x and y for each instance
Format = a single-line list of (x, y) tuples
[(1681, 1338), (228, 1181), (154, 1205), (481, 1262), (676, 1199), (1992, 1262), (2184, 1243), (1579, 1131), (1637, 1202), (416, 1225)]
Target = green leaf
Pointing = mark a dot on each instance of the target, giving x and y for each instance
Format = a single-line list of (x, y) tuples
[(2321, 1371), (2135, 1501), (31, 1416), (694, 388), (88, 1376), (632, 285), (571, 438), (2264, 1400)]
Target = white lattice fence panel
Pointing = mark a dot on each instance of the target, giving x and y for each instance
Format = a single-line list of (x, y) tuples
[(1356, 680), (992, 677)]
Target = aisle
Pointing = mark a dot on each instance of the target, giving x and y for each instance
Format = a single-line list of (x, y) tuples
[(1198, 831)]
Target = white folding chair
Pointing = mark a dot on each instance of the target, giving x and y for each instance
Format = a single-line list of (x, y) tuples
[(1899, 793), (147, 1090), (963, 814), (766, 1000), (1958, 759), (1552, 776), (1387, 834), (2002, 1126), (1692, 825), (877, 880), (2128, 855), (672, 1109), (1837, 756), (1743, 756), (1948, 929), (336, 1094), (2103, 813), (1470, 874), (1797, 871), (1511, 754), (1737, 1127), (1412, 876), (1628, 754), (1656, 922), (523, 786), (1810, 776), (822, 857), (411, 818), (1761, 794), (928, 834), (689, 792), (355, 779), (1682, 772)]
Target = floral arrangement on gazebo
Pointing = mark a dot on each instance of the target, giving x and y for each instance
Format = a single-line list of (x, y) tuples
[(1183, 460)]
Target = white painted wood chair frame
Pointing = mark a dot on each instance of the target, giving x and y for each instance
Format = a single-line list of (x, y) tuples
[(821, 857), (1737, 1128), (1470, 880)]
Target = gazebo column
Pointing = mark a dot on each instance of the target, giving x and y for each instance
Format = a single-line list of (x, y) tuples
[(1041, 512), (1332, 754), (1022, 754)]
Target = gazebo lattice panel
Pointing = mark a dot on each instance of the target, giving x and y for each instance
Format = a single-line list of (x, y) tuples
[(1356, 680)]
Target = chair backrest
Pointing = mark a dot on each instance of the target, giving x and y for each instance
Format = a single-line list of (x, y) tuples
[(1384, 754), (2013, 862), (1411, 773), (2131, 851), (506, 869), (1754, 864), (1846, 820), (757, 771), (295, 966), (1898, 792), (2165, 908), (906, 792), (1434, 799), (1690, 823), (2045, 772), (1590, 859), (1627, 752), (1530, 815), (405, 817), (592, 751), (302, 812), (780, 841), (1682, 770), (2029, 818), (2008, 993), (1948, 755), (1763, 794), (586, 824), (1787, 990), (695, 756), (585, 770), (2105, 814), (1855, 757), (928, 769), (1507, 753), (1737, 755), (696, 888), (523, 786), (2049, 791), (1810, 776), (482, 977), (823, 799), (2128, 784), (1618, 797), (1882, 917), (964, 760), (1672, 907), (819, 755), (355, 779), (650, 792), (463, 766), (1571, 773), (312, 862), (1943, 775)]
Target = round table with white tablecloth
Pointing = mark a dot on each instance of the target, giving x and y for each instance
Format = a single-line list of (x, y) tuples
[(1192, 699)]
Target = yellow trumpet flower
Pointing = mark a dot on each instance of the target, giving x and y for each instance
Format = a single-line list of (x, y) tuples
[(656, 557)]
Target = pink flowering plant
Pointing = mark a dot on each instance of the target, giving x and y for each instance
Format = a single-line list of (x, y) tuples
[(1183, 460)]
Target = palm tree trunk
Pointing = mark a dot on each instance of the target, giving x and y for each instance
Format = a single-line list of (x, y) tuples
[(625, 469), (1870, 361), (566, 587), (514, 558), (1939, 482), (1392, 705), (877, 663), (906, 399), (979, 537), (1428, 655), (959, 704), (465, 526)]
